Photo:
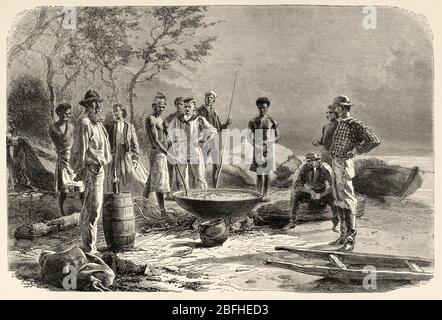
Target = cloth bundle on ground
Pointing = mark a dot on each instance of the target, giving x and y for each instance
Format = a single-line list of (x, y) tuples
[(86, 271)]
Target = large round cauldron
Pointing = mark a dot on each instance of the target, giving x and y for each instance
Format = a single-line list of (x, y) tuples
[(218, 203)]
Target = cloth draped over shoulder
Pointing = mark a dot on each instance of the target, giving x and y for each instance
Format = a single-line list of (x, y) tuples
[(63, 141), (185, 135), (212, 117)]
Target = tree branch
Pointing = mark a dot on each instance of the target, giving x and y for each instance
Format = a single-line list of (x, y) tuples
[(40, 26)]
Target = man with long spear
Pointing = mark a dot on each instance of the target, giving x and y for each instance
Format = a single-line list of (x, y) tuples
[(207, 110)]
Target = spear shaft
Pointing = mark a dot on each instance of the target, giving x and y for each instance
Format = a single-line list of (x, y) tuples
[(225, 140)]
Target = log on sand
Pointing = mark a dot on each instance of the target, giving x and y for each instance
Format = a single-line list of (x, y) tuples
[(277, 214), (41, 229)]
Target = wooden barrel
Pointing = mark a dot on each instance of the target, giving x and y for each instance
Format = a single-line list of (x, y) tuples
[(214, 232), (119, 221)]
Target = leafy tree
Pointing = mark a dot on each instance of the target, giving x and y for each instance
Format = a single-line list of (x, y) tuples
[(59, 50), (42, 19), (107, 31), (171, 39)]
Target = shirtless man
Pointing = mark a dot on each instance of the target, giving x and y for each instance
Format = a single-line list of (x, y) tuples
[(158, 180), (62, 135), (264, 133)]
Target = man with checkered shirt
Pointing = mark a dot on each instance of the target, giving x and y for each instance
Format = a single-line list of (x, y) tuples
[(352, 137)]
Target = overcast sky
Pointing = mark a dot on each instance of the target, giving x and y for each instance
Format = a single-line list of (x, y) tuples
[(301, 57)]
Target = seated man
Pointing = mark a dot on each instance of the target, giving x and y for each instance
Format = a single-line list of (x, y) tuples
[(314, 183)]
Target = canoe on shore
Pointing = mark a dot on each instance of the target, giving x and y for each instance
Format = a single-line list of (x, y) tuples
[(375, 177), (356, 266)]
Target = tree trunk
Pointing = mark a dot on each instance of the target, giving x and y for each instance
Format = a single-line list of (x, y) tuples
[(50, 84), (32, 37), (114, 87), (131, 90), (62, 92)]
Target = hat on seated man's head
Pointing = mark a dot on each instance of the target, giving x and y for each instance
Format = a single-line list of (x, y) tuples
[(312, 156)]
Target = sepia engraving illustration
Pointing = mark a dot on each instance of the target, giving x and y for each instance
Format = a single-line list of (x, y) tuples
[(283, 148)]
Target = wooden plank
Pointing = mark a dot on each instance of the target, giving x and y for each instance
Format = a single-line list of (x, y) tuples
[(335, 260), (350, 274), (413, 266)]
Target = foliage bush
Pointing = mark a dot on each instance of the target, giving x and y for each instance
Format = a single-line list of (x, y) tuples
[(29, 108)]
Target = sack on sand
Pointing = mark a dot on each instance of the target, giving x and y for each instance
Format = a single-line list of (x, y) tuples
[(85, 271)]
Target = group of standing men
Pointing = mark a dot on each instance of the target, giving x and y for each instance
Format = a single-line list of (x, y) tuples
[(329, 177), (87, 151), (92, 153)]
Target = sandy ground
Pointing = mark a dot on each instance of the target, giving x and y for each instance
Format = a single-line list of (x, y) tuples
[(177, 262)]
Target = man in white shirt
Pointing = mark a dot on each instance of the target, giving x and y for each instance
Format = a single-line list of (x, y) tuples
[(89, 156), (189, 133)]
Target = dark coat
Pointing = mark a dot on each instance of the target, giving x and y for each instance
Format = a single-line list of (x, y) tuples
[(212, 117), (130, 142)]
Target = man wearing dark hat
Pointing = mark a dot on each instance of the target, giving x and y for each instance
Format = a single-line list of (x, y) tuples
[(352, 137), (314, 183), (207, 110), (90, 154)]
